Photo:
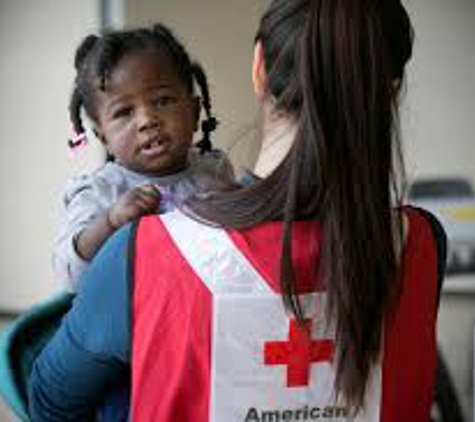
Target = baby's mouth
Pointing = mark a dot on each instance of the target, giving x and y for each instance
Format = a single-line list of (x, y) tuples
[(154, 147)]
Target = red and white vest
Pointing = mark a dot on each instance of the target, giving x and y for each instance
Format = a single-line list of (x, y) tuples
[(212, 342)]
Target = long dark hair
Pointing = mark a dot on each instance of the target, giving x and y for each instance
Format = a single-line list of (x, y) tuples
[(98, 55), (336, 67)]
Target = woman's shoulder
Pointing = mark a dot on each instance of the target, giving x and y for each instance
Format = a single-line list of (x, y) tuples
[(415, 218), (422, 229)]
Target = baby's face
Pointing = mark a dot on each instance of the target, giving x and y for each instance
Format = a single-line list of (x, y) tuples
[(146, 117)]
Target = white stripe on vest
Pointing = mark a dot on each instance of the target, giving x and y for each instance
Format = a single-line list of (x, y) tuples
[(253, 379)]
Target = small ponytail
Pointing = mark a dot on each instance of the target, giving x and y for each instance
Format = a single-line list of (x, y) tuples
[(78, 130), (76, 102), (210, 124), (84, 49)]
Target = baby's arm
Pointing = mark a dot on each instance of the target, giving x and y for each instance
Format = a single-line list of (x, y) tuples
[(137, 201), (90, 217)]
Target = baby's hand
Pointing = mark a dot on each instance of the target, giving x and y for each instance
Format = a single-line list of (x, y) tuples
[(137, 201)]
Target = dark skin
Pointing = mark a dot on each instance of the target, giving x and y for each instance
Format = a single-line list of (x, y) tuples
[(146, 118)]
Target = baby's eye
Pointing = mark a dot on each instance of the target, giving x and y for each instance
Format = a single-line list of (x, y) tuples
[(122, 112), (165, 101)]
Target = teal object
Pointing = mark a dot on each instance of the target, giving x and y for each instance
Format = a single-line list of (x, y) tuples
[(21, 342)]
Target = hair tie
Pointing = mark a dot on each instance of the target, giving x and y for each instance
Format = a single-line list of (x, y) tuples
[(76, 141), (209, 125)]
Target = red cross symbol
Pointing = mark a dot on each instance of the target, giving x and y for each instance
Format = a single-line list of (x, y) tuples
[(298, 353)]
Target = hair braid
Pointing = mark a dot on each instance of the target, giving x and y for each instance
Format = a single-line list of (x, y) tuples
[(75, 105), (210, 124), (84, 49), (108, 56), (76, 101)]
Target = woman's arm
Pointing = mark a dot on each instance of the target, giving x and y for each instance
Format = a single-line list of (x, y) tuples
[(91, 350)]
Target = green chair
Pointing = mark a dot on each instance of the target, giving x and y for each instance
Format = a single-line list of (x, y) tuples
[(21, 342)]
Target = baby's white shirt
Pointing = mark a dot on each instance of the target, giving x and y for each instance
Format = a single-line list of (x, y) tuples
[(88, 196)]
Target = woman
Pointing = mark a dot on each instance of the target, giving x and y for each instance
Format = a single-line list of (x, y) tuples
[(308, 294)]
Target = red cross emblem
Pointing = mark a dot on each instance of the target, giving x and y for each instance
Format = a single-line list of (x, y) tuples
[(298, 353)]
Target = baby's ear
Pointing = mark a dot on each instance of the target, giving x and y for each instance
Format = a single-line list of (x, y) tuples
[(259, 75)]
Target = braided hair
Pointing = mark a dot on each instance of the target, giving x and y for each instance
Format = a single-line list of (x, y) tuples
[(98, 55)]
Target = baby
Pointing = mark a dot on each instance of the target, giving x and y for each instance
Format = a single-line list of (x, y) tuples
[(137, 87)]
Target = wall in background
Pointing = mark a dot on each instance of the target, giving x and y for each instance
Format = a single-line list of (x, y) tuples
[(439, 123), (37, 43)]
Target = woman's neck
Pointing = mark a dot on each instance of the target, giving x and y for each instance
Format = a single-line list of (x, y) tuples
[(278, 135)]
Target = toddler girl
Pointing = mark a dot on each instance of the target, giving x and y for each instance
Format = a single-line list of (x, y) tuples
[(137, 87)]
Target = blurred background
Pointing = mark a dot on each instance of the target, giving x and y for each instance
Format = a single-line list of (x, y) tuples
[(37, 44)]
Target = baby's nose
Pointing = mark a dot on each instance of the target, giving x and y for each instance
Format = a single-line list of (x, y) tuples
[(147, 118)]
